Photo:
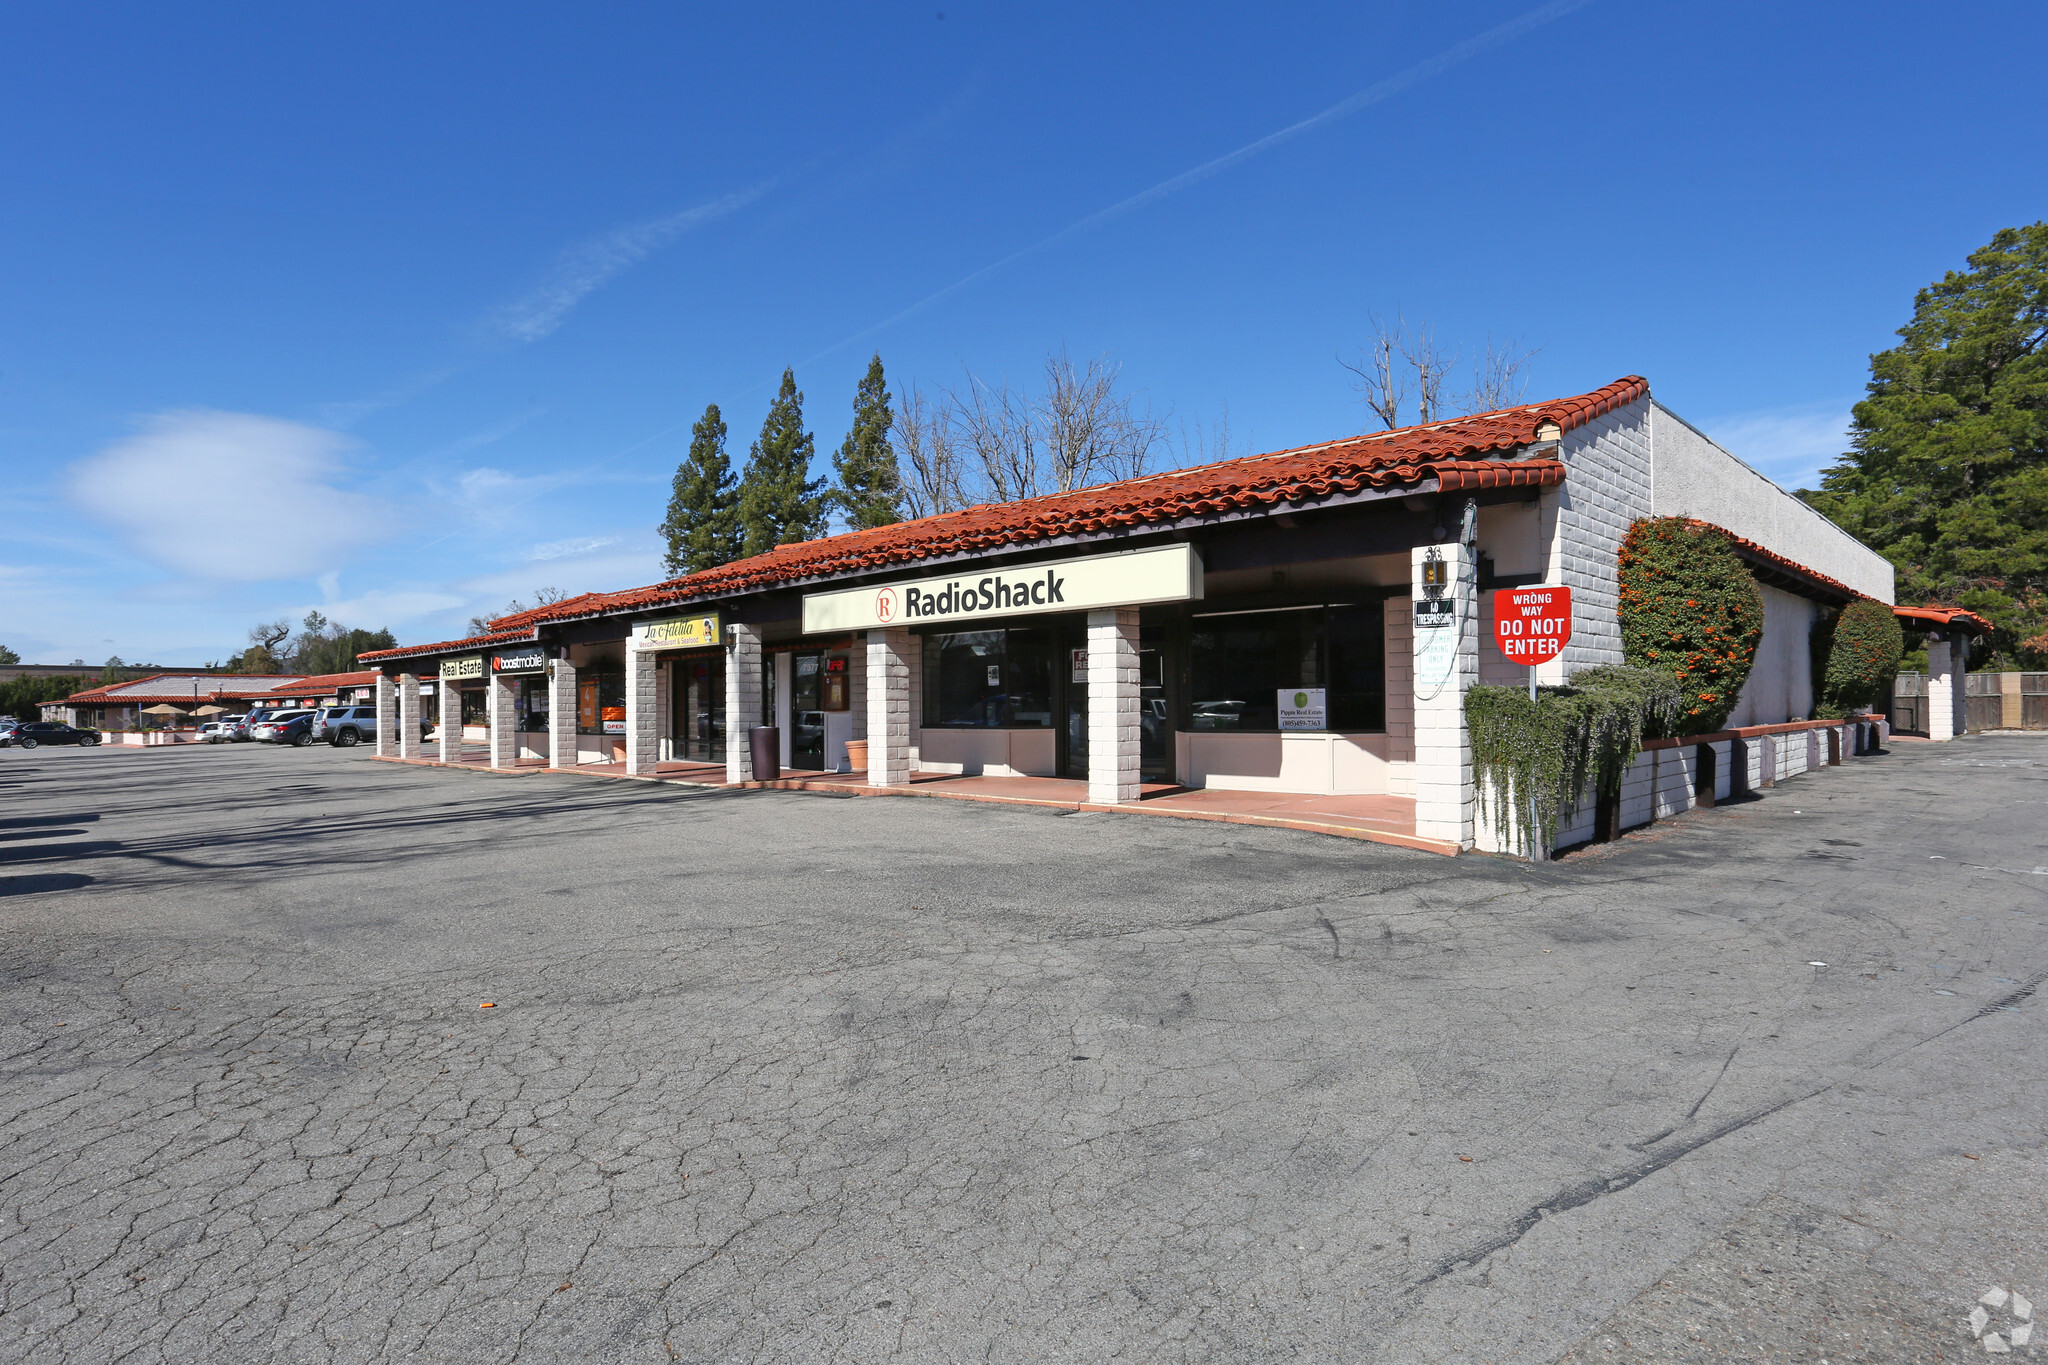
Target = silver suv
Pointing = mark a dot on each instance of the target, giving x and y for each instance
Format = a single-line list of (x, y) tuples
[(345, 726)]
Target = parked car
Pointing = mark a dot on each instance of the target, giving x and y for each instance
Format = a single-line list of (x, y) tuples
[(216, 732), (244, 724), (35, 732), (346, 726), (285, 727)]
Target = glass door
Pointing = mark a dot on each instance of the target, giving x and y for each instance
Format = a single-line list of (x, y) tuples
[(807, 712), (698, 709), (1155, 724)]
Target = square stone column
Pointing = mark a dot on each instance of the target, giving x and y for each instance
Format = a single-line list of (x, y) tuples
[(669, 727), (1113, 762), (1446, 664), (1944, 691), (409, 742), (562, 715), (888, 707), (503, 709), (642, 740), (387, 718), (742, 701), (450, 697)]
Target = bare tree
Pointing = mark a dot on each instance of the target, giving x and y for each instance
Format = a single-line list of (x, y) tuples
[(1499, 377), (1092, 434), (996, 425), (1382, 371), (542, 597), (1199, 445), (1395, 362), (1432, 369), (923, 431)]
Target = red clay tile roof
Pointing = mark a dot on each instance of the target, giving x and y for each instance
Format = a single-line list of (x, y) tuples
[(1751, 550), (325, 682), (210, 685), (1461, 454), (1951, 617), (500, 637)]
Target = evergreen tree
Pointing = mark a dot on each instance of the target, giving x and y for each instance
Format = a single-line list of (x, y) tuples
[(1949, 474), (778, 505), (870, 489), (703, 528)]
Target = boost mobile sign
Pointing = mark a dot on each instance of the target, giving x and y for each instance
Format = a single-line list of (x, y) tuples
[(1171, 573)]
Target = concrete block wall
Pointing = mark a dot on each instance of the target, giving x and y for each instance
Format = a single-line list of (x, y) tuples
[(449, 723), (886, 674), (641, 736), (387, 718), (742, 701), (1113, 701), (409, 744), (666, 748), (1400, 655), (1674, 779), (562, 715), (1607, 486), (1445, 799), (502, 701)]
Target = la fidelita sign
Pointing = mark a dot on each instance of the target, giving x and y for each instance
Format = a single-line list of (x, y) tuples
[(1531, 625)]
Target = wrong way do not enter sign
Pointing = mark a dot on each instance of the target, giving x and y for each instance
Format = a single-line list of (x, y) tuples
[(1531, 625)]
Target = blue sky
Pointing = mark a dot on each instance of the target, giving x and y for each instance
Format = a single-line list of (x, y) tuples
[(400, 312)]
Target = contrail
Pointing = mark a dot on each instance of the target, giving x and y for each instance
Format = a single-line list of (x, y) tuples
[(1372, 94)]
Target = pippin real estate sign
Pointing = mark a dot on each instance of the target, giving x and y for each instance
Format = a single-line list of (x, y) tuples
[(1171, 573)]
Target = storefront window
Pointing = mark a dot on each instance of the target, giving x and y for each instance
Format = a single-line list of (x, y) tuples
[(475, 706), (1239, 663), (531, 701), (989, 679), (601, 704)]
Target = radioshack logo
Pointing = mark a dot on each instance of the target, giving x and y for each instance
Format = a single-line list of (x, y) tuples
[(885, 605), (994, 593)]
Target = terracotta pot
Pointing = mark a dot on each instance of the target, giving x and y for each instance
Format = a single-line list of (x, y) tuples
[(857, 756)]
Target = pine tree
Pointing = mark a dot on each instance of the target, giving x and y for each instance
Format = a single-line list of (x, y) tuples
[(1948, 475), (702, 528), (777, 504), (870, 489)]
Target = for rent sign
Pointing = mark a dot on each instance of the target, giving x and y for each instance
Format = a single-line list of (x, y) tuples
[(1531, 625), (1171, 573)]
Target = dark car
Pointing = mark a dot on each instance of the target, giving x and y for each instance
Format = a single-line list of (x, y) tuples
[(295, 729), (48, 732)]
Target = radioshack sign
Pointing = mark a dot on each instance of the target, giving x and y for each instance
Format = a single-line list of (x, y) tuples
[(1171, 573), (1531, 625)]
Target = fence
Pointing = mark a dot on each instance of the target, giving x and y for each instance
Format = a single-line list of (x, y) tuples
[(1909, 704)]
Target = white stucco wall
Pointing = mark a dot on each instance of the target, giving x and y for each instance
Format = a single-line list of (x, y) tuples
[(1780, 684), (1693, 477)]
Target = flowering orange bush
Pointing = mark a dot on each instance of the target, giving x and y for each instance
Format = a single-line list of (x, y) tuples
[(1690, 607)]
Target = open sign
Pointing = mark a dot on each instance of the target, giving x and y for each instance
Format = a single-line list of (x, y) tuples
[(1531, 625)]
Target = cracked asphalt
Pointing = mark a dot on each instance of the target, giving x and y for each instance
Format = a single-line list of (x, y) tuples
[(777, 1077)]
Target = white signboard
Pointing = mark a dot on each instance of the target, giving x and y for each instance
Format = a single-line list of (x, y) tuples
[(1436, 651), (1171, 573), (1303, 708)]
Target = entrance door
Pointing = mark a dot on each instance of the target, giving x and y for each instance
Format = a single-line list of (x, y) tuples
[(1155, 721), (806, 711), (697, 710)]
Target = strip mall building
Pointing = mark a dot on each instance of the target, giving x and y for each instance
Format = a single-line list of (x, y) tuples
[(1257, 625)]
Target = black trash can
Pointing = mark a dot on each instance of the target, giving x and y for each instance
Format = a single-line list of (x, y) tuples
[(765, 743)]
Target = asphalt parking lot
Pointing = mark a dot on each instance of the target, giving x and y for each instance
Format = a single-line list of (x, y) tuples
[(782, 1077)]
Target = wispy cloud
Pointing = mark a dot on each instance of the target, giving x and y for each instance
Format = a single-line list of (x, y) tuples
[(1371, 95), (161, 490), (1789, 445), (585, 266), (568, 549)]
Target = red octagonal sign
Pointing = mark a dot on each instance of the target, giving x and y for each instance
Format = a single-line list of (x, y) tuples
[(1532, 624)]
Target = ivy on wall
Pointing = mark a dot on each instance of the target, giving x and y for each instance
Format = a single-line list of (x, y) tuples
[(1536, 759), (1856, 655), (1689, 607)]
